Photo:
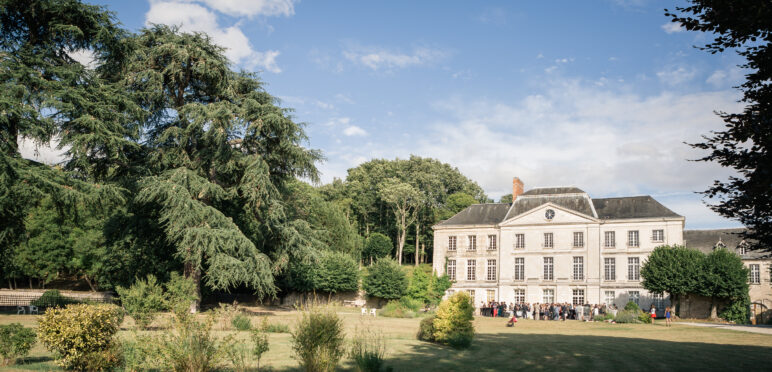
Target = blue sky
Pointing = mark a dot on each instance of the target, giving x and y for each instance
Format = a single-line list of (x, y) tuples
[(595, 94)]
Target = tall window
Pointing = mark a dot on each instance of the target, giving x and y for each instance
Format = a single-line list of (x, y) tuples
[(491, 242), (632, 238), (610, 297), (519, 296), (472, 243), (548, 296), (634, 296), (548, 240), (633, 268), (471, 295), (491, 295), (471, 270), (519, 241), (610, 268), (578, 297), (451, 243), (578, 268), (452, 270), (578, 239), (659, 301), (755, 274), (519, 268), (610, 240), (548, 268), (491, 270), (658, 236)]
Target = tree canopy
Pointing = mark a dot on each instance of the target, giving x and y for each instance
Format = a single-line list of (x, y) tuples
[(744, 145)]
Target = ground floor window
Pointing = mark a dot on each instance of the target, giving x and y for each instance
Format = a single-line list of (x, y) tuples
[(610, 297), (519, 296), (548, 296), (578, 297), (634, 296), (658, 301), (471, 294), (491, 295)]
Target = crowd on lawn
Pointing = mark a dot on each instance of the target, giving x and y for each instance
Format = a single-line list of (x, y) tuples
[(551, 311)]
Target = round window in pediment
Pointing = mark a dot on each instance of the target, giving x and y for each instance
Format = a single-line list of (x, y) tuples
[(549, 214)]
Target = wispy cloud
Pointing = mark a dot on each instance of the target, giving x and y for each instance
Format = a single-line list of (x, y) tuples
[(354, 131), (675, 75), (378, 58), (672, 27)]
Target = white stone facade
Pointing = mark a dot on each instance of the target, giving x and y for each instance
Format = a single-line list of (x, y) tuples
[(585, 268)]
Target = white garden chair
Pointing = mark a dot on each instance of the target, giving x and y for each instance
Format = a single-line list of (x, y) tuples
[(33, 310), (372, 312), (20, 310), (364, 311)]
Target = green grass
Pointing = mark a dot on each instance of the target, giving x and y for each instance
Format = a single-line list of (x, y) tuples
[(530, 345)]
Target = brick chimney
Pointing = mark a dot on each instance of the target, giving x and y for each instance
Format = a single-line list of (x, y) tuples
[(517, 188)]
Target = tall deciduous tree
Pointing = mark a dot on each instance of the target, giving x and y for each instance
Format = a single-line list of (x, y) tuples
[(673, 270), (745, 144), (404, 201), (723, 277)]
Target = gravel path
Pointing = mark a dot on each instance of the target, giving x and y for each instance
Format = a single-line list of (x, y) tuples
[(764, 329)]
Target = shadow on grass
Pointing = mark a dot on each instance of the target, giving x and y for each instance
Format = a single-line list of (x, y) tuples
[(507, 351)]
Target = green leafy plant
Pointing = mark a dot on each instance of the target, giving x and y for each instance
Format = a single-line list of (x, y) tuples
[(632, 306), (367, 350), (53, 298), (627, 316), (385, 279), (318, 340), (180, 294), (82, 336), (259, 345), (15, 342), (190, 346), (241, 322), (143, 300), (268, 327), (453, 324), (426, 329)]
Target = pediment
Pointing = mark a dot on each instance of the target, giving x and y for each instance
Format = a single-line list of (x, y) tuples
[(537, 216)]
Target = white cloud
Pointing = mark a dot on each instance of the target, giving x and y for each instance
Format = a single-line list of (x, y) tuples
[(672, 27), (251, 8), (377, 58), (46, 153), (354, 131), (190, 17), (677, 75), (338, 121), (729, 77), (85, 57)]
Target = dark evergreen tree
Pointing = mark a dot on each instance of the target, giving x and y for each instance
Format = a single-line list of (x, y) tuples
[(745, 145), (385, 279)]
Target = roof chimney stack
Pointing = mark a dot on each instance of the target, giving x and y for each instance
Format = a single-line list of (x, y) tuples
[(517, 188)]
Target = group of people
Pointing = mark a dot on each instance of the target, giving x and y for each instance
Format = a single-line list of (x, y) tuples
[(543, 311)]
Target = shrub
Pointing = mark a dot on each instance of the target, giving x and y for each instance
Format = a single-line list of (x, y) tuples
[(318, 340), (367, 350), (190, 346), (632, 306), (259, 345), (627, 316), (143, 300), (82, 336), (226, 314), (53, 298), (336, 272), (603, 317), (377, 246), (180, 293), (265, 326), (644, 317), (426, 329), (238, 353), (241, 322), (397, 309), (385, 279), (15, 342), (453, 324), (418, 289), (737, 310)]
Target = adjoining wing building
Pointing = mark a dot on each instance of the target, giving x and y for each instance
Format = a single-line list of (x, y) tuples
[(555, 244)]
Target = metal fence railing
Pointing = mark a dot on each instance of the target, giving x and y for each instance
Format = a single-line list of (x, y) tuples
[(11, 301)]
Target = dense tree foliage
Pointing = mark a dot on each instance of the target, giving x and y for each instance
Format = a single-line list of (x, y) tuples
[(385, 279), (719, 275), (745, 145), (377, 246)]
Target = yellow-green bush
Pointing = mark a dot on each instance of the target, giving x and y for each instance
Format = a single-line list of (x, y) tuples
[(15, 342), (318, 340), (82, 336), (453, 324)]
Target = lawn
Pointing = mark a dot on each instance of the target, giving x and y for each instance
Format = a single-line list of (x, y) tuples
[(530, 345)]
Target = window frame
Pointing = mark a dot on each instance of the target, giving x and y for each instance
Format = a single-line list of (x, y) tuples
[(519, 295), (452, 243), (491, 275), (578, 239), (471, 242), (634, 269), (520, 241), (519, 269), (578, 268), (633, 243), (577, 293), (609, 243), (634, 298), (548, 243), (655, 238), (551, 267), (471, 270), (754, 276), (609, 269), (452, 270)]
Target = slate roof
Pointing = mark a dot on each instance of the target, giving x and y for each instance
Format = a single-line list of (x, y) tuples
[(553, 191), (631, 207), (524, 203), (706, 241), (479, 214)]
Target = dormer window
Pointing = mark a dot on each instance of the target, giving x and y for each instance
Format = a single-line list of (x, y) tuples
[(742, 248)]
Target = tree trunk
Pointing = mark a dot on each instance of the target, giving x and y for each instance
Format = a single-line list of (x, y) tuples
[(417, 231), (195, 275), (90, 285), (423, 250), (713, 306), (30, 282)]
